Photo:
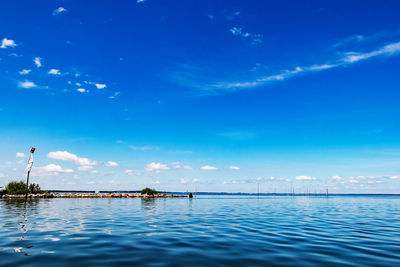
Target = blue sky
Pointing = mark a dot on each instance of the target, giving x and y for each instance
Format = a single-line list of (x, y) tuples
[(206, 95)]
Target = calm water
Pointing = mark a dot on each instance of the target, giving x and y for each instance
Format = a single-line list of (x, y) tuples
[(208, 231)]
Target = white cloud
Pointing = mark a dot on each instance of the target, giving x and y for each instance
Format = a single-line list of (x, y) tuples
[(156, 167), (195, 180), (234, 167), (38, 61), (91, 182), (54, 71), (186, 167), (395, 177), (15, 55), (94, 171), (156, 182), (337, 178), (305, 178), (140, 1), (20, 155), (129, 172), (66, 156), (7, 43), (177, 166), (100, 86), (353, 181), (24, 72), (59, 10), (183, 181), (27, 84), (111, 164), (51, 169), (208, 168), (85, 168), (82, 90)]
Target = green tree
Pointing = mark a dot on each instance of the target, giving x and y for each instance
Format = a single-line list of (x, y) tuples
[(16, 188), (34, 189), (148, 191), (19, 188)]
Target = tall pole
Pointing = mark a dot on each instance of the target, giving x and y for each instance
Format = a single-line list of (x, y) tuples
[(27, 184), (29, 168)]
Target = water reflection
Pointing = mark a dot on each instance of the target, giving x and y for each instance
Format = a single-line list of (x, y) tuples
[(148, 204), (20, 210)]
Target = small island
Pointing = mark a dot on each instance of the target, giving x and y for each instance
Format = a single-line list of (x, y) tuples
[(18, 190)]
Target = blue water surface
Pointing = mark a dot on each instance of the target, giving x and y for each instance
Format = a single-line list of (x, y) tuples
[(205, 231)]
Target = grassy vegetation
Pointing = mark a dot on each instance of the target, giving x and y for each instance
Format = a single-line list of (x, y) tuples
[(148, 191)]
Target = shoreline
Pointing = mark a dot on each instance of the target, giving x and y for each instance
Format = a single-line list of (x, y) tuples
[(92, 195)]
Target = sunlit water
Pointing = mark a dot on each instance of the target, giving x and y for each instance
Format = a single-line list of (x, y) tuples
[(207, 231)]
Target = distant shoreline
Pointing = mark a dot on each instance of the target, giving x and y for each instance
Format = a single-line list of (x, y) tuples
[(91, 195), (137, 194)]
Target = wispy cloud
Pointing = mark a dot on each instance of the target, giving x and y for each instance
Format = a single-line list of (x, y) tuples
[(238, 31), (346, 59), (7, 43), (337, 178), (186, 181), (361, 39), (129, 172), (24, 72), (38, 61), (258, 180), (113, 96), (59, 11), (144, 148), (388, 50), (20, 155), (236, 168), (111, 164), (233, 15), (82, 90)]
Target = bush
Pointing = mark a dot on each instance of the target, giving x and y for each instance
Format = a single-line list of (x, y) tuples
[(19, 188), (148, 191), (34, 189), (16, 188)]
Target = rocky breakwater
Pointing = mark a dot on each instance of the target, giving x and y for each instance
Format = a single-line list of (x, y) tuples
[(92, 195)]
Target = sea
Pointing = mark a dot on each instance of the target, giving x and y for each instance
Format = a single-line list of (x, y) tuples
[(208, 230)]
